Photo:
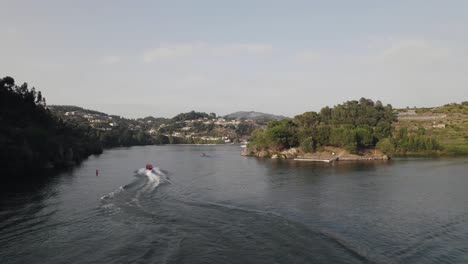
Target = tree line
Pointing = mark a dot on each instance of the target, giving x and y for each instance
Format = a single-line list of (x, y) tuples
[(32, 138)]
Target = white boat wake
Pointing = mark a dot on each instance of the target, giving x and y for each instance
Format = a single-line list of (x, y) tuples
[(145, 184)]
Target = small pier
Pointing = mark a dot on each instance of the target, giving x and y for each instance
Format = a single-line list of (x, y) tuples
[(317, 160)]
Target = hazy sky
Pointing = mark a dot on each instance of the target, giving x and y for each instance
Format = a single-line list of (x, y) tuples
[(160, 58)]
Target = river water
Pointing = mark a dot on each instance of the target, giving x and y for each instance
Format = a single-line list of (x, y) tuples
[(220, 207)]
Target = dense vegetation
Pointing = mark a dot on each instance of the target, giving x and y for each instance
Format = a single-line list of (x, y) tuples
[(405, 140), (353, 125), (32, 138)]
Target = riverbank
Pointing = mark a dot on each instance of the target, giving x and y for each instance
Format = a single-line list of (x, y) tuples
[(326, 154), (207, 144)]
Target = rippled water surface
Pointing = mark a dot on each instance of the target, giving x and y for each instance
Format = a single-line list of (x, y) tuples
[(224, 208)]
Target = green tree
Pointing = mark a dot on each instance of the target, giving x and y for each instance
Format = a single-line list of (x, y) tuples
[(386, 146)]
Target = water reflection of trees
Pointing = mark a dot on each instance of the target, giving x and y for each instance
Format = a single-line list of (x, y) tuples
[(282, 171), (28, 202)]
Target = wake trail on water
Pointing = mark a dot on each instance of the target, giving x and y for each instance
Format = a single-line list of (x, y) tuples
[(133, 200), (145, 183), (328, 236)]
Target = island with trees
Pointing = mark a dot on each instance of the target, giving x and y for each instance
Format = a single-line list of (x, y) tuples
[(359, 130)]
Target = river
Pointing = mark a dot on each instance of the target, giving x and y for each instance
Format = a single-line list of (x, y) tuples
[(208, 204)]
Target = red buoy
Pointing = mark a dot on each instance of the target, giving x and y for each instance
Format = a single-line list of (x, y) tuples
[(149, 166)]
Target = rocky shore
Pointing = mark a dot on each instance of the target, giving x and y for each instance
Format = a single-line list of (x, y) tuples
[(327, 154)]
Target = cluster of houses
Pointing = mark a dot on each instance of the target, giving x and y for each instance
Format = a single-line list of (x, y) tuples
[(187, 131), (221, 129), (217, 121), (97, 121), (225, 139)]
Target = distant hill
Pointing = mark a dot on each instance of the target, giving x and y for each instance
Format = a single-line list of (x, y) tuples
[(185, 128), (254, 116), (192, 115)]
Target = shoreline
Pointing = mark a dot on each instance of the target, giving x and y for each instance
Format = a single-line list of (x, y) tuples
[(314, 160), (211, 144), (343, 159), (327, 155)]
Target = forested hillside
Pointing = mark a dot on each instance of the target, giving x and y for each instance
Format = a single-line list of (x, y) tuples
[(185, 128), (112, 130), (32, 138)]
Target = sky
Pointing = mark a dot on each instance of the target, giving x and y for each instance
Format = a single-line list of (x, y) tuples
[(161, 58)]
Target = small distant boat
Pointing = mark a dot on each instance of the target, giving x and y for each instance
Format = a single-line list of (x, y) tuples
[(243, 144), (149, 166)]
